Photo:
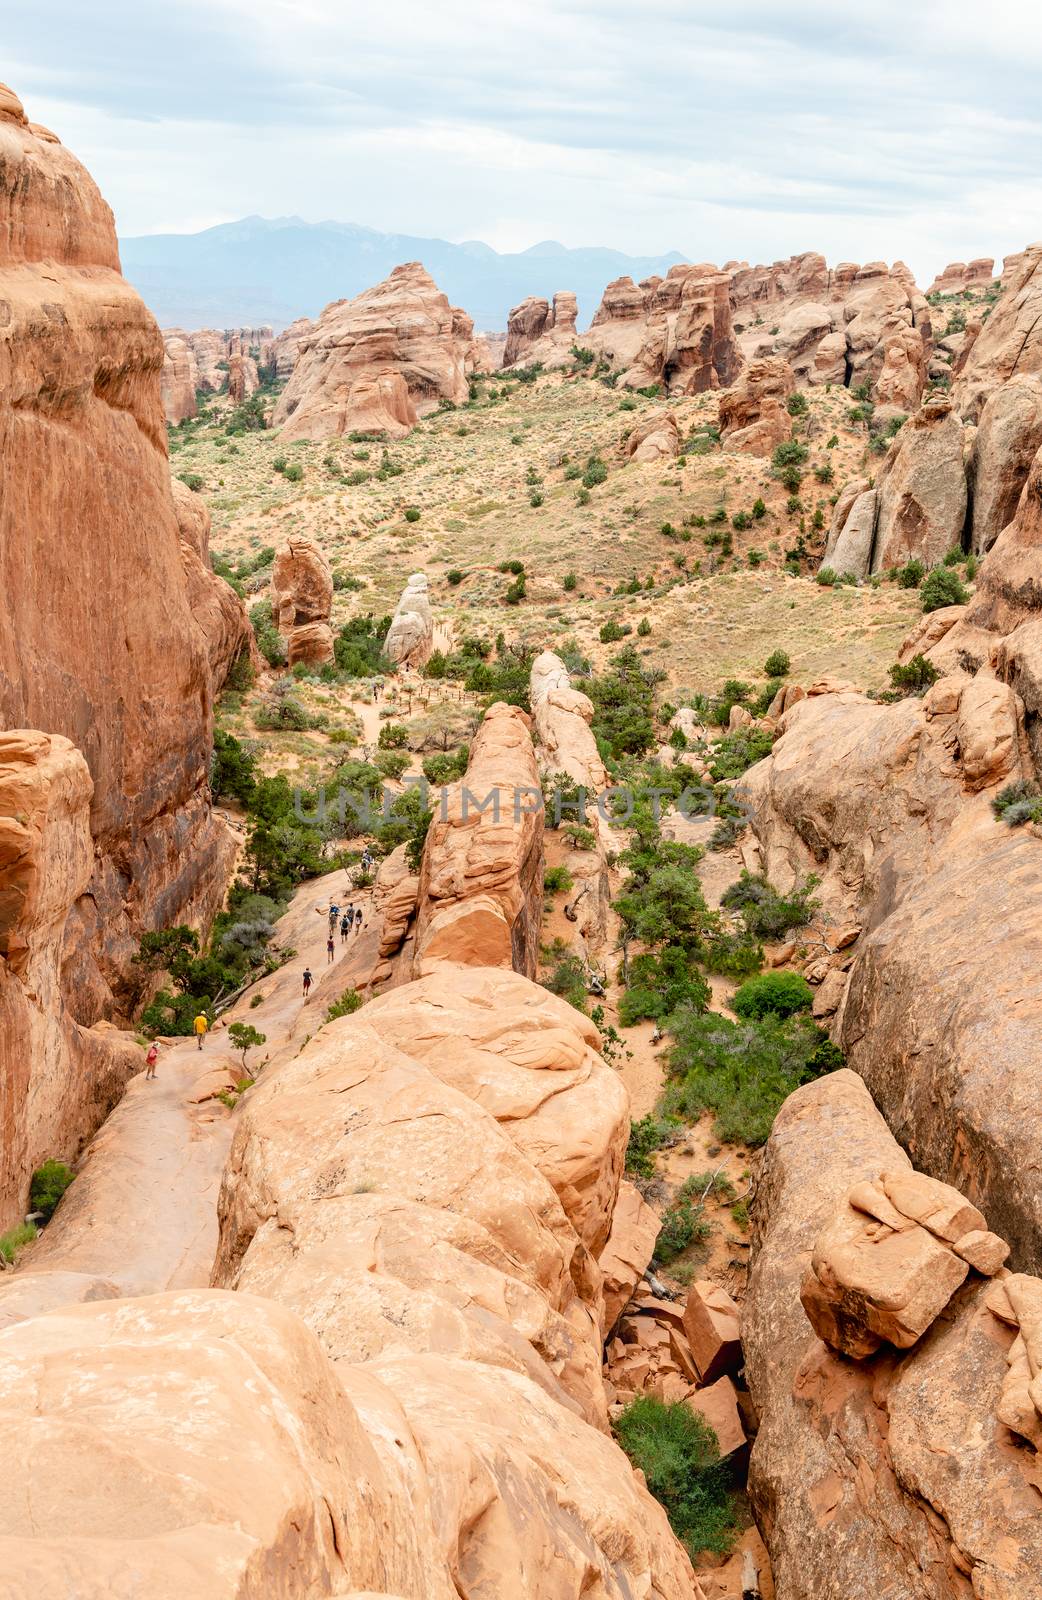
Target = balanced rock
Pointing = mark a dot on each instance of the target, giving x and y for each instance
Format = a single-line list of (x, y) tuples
[(410, 637)]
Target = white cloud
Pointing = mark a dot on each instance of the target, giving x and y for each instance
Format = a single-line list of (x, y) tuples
[(749, 130)]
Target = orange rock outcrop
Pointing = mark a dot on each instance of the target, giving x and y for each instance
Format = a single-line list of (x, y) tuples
[(102, 641), (302, 600)]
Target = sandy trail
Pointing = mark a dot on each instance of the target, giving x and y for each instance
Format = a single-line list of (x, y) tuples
[(142, 1214)]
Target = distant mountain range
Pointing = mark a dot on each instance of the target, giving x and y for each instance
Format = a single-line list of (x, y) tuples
[(272, 270)]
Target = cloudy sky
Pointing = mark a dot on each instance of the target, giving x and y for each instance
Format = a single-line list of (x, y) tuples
[(749, 129)]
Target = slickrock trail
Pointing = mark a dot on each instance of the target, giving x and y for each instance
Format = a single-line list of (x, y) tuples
[(142, 1214)]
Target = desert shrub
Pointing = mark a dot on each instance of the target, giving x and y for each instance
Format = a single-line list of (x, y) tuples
[(741, 1072), (759, 509), (1018, 802), (684, 1223), (732, 955), (349, 1002), (567, 976), (570, 582), (516, 591), (557, 880), (233, 769), (741, 521), (596, 472), (192, 480), (612, 631), (649, 1134), (942, 587), (358, 647), (659, 984), (790, 453), (393, 736), (679, 1455), (796, 405), (14, 1241), (282, 712), (412, 514), (826, 576), (294, 472), (49, 1183), (736, 752), (824, 473), (767, 914), (270, 642), (777, 664), (454, 577), (911, 575), (773, 994), (913, 677), (643, 628)]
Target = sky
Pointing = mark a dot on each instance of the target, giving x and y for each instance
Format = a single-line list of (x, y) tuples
[(753, 129)]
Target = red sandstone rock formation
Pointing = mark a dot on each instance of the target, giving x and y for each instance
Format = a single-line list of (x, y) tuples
[(302, 600), (753, 413), (656, 438), (481, 881), (101, 641), (1009, 344), (959, 275), (535, 332), (675, 331), (896, 1475), (380, 361), (180, 377), (410, 637)]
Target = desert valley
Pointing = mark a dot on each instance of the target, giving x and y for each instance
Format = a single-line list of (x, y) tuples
[(520, 933)]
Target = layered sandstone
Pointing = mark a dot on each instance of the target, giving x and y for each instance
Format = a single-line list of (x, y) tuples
[(959, 275), (179, 379), (568, 754), (87, 521), (917, 508), (379, 362), (1009, 343), (480, 895), (302, 600), (893, 1475), (539, 331), (753, 412), (410, 638), (675, 331), (421, 1184), (655, 438)]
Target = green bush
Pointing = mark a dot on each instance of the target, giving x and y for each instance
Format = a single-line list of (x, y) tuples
[(349, 1002), (773, 994), (777, 664), (790, 453), (270, 642), (412, 514), (49, 1183), (826, 577), (358, 648), (796, 405), (913, 677), (393, 736), (14, 1241), (596, 472), (1017, 803), (649, 1134), (557, 880), (516, 592), (942, 587), (643, 628), (684, 1224), (741, 1072), (659, 984), (192, 479), (766, 913), (679, 1455), (454, 577), (294, 472), (243, 1037), (570, 582), (736, 752), (759, 509), (611, 631), (911, 575)]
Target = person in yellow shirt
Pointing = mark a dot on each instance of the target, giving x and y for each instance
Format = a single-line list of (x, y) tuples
[(201, 1027)]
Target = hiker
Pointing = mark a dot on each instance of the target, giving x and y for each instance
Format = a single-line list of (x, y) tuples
[(150, 1060), (334, 912), (201, 1026), (345, 924), (358, 920), (330, 948), (307, 981)]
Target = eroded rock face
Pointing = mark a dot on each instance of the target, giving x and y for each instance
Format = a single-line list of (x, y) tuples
[(1004, 446), (481, 880), (959, 275), (893, 1475), (656, 438), (537, 331), (378, 362), (88, 524), (1009, 344), (216, 608), (753, 414), (302, 600), (917, 509), (675, 330), (395, 1186), (180, 377), (279, 1485), (410, 638)]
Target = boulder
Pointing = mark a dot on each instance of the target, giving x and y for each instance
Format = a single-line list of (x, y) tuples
[(480, 898), (378, 362), (887, 1476), (654, 438), (711, 1328), (753, 414), (302, 600), (717, 1404), (627, 1252), (410, 637)]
